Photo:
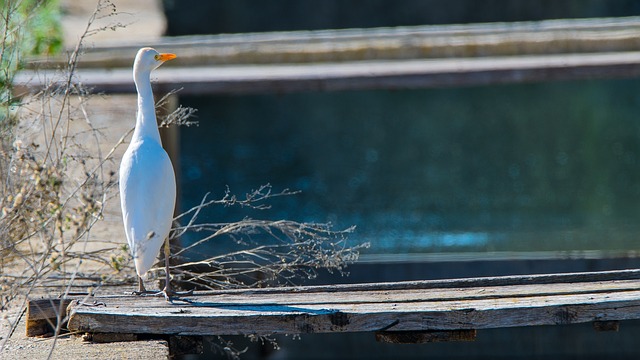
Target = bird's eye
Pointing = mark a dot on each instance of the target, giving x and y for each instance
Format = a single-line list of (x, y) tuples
[(157, 57)]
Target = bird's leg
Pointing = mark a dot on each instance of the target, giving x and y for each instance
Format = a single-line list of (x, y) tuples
[(168, 293), (167, 280), (142, 291), (141, 288)]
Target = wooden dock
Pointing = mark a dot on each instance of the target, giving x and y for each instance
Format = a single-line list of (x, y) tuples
[(415, 311)]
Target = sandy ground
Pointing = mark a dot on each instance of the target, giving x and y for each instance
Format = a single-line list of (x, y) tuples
[(72, 348), (113, 115), (143, 20)]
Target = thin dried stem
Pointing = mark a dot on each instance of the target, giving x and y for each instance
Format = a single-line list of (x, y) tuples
[(55, 186), (269, 252)]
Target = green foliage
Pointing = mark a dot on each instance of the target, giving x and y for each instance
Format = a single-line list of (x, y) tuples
[(28, 27), (44, 35), (32, 27)]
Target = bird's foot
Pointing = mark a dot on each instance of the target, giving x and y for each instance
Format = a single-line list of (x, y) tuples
[(180, 293), (169, 295), (147, 293)]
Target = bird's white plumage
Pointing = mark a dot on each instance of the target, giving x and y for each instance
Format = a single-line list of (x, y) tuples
[(148, 193), (147, 179)]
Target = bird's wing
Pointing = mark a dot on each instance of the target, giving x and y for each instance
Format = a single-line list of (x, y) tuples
[(147, 196)]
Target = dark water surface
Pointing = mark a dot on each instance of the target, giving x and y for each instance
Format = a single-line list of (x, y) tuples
[(528, 167)]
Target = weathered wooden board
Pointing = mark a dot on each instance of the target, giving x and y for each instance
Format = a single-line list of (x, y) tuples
[(404, 42), (388, 74), (44, 314), (412, 306)]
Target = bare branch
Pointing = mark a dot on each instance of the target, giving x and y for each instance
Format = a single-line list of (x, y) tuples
[(269, 252), (180, 116)]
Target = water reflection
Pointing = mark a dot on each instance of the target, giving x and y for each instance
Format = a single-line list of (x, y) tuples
[(519, 167)]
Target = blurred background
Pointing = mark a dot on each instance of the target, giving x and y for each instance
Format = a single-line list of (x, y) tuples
[(530, 167), (188, 17)]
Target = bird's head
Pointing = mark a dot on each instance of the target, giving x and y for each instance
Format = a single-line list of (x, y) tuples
[(149, 59)]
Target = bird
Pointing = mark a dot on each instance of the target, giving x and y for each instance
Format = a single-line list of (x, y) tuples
[(147, 179)]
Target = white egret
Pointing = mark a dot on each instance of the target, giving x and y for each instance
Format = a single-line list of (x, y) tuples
[(147, 178)]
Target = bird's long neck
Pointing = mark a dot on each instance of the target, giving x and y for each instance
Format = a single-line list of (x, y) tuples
[(146, 125)]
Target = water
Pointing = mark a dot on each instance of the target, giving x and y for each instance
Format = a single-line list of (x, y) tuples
[(527, 167)]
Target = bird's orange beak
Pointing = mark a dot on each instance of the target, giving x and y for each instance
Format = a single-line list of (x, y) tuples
[(165, 56)]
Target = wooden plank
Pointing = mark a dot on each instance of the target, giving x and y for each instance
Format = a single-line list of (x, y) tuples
[(533, 279), (405, 42), (43, 315), (364, 75), (331, 297), (44, 309), (370, 307), (202, 317)]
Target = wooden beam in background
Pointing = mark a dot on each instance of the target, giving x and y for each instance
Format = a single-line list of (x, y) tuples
[(561, 36), (362, 75)]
